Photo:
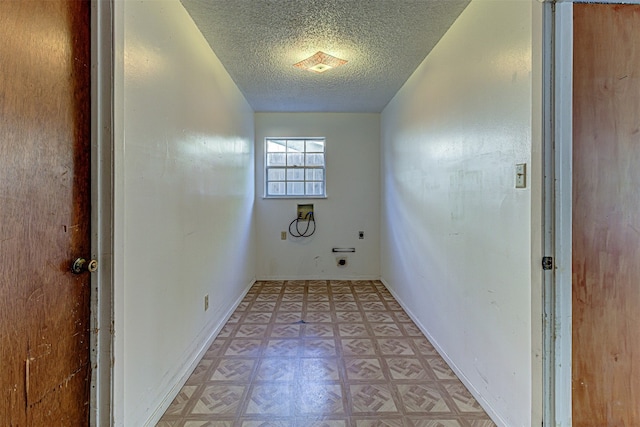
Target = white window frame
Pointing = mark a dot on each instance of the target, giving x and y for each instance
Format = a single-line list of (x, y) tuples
[(287, 167)]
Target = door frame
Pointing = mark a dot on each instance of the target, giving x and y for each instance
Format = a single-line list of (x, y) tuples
[(101, 323), (547, 198), (558, 212), (558, 209)]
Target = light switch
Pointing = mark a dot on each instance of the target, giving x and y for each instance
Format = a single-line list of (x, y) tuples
[(521, 175)]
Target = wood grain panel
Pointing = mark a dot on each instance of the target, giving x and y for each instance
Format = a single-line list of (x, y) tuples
[(606, 216), (44, 212)]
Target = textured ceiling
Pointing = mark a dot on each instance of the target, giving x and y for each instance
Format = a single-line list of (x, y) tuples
[(258, 41)]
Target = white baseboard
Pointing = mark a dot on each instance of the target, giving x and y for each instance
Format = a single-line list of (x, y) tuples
[(200, 347), (321, 277), (472, 389)]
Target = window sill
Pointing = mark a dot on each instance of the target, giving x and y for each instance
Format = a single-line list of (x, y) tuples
[(293, 197)]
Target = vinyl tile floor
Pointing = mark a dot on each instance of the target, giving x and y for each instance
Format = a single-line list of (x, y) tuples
[(322, 353)]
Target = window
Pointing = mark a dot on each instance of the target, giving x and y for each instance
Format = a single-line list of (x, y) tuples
[(295, 167)]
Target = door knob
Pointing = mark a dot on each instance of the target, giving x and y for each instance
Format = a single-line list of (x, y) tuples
[(81, 264)]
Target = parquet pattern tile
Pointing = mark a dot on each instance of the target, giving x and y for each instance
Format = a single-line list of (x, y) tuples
[(322, 353)]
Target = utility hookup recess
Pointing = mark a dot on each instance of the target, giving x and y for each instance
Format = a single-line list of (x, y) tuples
[(305, 211)]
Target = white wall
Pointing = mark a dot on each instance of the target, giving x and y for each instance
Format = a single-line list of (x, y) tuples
[(184, 195), (456, 243), (352, 203)]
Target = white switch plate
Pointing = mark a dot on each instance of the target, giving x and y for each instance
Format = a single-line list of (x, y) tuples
[(521, 175)]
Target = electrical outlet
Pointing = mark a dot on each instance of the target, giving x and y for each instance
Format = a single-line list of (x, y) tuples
[(360, 235), (206, 302), (283, 235)]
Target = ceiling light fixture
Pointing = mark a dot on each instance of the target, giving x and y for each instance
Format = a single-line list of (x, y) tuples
[(320, 62)]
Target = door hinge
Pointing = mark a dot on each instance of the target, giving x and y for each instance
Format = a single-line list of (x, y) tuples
[(547, 262)]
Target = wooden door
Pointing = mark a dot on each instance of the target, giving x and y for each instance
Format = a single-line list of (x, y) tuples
[(606, 216), (44, 212)]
